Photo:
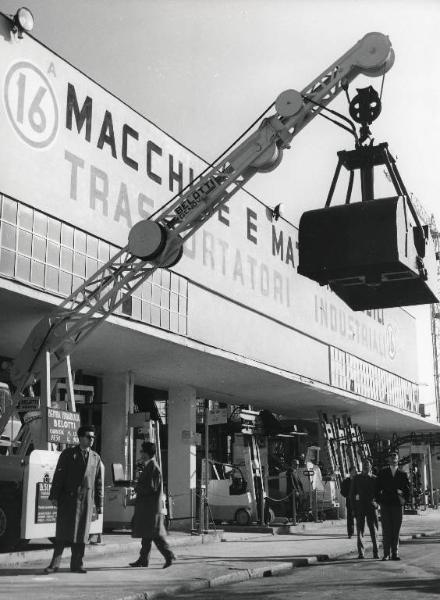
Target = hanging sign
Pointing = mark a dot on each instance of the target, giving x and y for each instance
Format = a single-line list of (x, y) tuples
[(62, 426), (217, 416)]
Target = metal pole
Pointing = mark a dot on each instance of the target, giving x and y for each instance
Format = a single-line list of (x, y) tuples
[(431, 490), (70, 389), (45, 402), (293, 499), (201, 508), (367, 183), (207, 469)]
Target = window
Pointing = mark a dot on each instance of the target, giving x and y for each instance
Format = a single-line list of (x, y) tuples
[(58, 257)]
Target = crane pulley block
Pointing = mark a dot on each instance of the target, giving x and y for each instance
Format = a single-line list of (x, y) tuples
[(370, 253)]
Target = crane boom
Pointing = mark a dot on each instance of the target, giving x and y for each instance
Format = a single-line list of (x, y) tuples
[(158, 242)]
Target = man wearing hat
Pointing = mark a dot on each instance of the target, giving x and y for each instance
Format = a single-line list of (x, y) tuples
[(147, 520), (392, 493), (76, 489)]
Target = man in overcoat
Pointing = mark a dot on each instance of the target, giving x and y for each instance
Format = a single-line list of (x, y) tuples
[(345, 491), (76, 489), (148, 522), (363, 501), (392, 493)]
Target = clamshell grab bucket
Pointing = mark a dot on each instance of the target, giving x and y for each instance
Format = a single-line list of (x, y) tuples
[(370, 253)]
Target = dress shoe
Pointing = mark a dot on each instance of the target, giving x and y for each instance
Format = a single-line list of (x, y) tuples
[(49, 570), (395, 557), (375, 555), (79, 570), (386, 558), (361, 556), (168, 563), (138, 563)]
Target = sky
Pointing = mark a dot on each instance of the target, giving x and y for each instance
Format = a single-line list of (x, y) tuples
[(204, 70)]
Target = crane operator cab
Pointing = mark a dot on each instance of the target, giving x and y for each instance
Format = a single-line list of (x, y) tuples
[(374, 253)]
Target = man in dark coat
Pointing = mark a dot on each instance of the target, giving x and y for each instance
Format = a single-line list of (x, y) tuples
[(392, 493), (363, 501), (345, 491), (76, 489), (148, 522)]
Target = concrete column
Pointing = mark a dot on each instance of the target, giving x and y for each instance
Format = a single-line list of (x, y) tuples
[(181, 454), (117, 396)]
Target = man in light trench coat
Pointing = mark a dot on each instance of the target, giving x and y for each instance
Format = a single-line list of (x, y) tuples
[(148, 522), (76, 488)]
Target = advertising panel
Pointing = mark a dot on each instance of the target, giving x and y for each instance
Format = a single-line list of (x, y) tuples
[(62, 426), (73, 150), (45, 510)]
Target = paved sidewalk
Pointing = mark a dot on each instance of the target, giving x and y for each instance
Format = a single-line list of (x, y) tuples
[(198, 565)]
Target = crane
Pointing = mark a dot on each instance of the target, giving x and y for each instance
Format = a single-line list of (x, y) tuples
[(158, 242)]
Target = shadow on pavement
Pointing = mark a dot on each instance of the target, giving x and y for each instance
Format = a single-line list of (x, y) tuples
[(422, 540), (281, 588), (290, 537), (425, 586), (244, 559), (12, 572)]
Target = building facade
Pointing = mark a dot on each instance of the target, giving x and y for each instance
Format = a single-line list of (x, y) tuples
[(232, 322)]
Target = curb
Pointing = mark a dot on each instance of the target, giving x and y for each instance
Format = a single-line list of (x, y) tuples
[(403, 538), (235, 577), (278, 528), (417, 536)]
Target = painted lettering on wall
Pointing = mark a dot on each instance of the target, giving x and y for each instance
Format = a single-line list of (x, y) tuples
[(123, 143), (375, 337), (242, 268)]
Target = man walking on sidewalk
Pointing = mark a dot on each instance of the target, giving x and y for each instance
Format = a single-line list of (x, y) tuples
[(363, 501), (345, 491), (147, 521), (392, 493), (76, 489)]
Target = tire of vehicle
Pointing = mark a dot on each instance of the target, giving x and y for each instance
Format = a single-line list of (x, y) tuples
[(9, 525), (243, 516)]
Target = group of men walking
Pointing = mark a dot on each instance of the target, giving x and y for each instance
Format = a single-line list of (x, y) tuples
[(364, 493), (77, 491)]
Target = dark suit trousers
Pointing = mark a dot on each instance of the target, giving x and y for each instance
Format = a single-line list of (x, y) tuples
[(370, 517), (161, 544), (350, 518), (391, 522), (76, 560)]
